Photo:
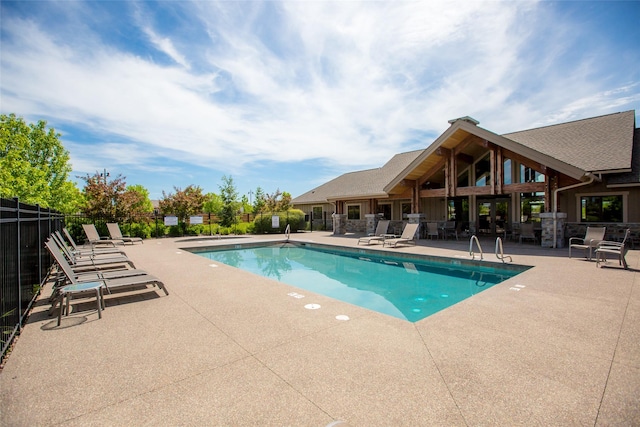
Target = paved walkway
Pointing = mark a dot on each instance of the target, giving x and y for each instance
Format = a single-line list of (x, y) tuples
[(230, 348)]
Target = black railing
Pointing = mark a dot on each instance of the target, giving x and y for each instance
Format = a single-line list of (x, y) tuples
[(23, 261)]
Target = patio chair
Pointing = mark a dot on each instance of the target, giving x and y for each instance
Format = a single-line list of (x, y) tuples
[(408, 236), (614, 248), (86, 250), (116, 234), (450, 229), (89, 272), (432, 230), (85, 254), (111, 279), (90, 261), (94, 237), (381, 230), (593, 236), (527, 232)]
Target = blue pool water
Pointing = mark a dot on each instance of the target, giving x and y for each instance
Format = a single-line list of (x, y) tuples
[(409, 289)]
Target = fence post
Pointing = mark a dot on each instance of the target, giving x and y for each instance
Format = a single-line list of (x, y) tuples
[(18, 263)]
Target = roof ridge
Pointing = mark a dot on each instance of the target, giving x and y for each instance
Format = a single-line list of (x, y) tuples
[(571, 122)]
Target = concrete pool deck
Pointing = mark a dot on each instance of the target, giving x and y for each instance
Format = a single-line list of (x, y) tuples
[(556, 345)]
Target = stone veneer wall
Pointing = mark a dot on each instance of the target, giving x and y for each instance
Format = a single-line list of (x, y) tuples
[(372, 223), (339, 223), (357, 226), (546, 222)]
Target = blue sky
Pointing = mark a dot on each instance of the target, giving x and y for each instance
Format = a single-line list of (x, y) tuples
[(291, 94)]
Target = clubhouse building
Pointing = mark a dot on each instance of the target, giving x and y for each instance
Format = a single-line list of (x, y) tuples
[(561, 178)]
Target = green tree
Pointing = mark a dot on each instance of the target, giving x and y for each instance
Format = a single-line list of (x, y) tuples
[(285, 202), (212, 203), (34, 166), (183, 203), (104, 199), (141, 205), (246, 206), (271, 201), (259, 202), (230, 206)]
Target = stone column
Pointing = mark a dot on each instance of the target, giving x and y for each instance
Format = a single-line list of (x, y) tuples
[(547, 219), (339, 223), (416, 219), (372, 223)]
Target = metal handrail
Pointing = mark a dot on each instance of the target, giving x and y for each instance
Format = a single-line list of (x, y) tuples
[(287, 231), (473, 255), (501, 256)]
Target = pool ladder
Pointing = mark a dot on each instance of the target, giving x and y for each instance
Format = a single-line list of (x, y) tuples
[(287, 231), (501, 256), (499, 250), (473, 255)]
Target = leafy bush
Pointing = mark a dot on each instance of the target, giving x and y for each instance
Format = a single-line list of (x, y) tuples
[(293, 217), (140, 229), (161, 232)]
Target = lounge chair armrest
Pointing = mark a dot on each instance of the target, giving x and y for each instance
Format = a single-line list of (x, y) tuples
[(609, 244)]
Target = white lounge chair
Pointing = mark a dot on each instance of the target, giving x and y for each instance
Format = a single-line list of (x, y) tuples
[(614, 248), (408, 236), (381, 230), (116, 234), (593, 236)]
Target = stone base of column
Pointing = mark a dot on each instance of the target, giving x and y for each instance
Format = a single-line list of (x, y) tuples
[(547, 223), (339, 223)]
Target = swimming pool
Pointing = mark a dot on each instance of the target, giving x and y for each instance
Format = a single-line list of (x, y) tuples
[(409, 288)]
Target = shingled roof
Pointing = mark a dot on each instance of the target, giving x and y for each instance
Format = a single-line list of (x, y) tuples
[(633, 177), (603, 144), (361, 184), (599, 144)]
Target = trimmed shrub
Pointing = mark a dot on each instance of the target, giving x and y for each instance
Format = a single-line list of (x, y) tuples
[(293, 217)]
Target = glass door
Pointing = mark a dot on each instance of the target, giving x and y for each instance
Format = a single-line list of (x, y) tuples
[(493, 216)]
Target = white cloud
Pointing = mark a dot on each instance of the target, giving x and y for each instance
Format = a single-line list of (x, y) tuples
[(348, 84)]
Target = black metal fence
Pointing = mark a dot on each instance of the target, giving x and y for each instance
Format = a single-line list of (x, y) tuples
[(23, 261)]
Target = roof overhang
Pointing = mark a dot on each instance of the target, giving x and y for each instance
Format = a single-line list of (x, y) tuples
[(358, 197), (458, 132)]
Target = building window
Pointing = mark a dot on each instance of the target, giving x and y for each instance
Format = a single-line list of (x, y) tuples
[(353, 211), (463, 178), (531, 206), (317, 212), (483, 171), (530, 175), (601, 208), (458, 209), (406, 210), (506, 170), (384, 211)]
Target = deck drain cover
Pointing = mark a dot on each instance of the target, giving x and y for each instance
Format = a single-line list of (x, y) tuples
[(312, 306), (342, 317)]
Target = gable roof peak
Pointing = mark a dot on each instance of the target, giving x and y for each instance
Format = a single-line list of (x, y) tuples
[(465, 119)]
